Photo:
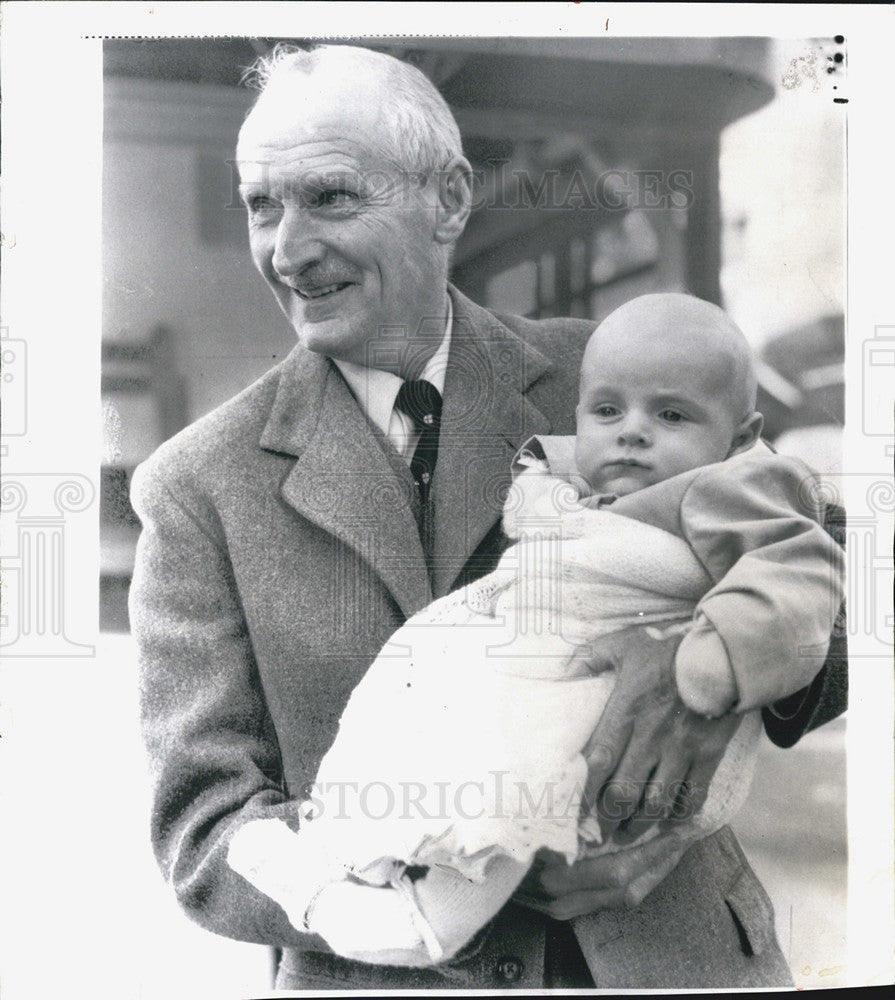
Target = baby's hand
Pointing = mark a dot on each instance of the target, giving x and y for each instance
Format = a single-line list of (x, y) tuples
[(367, 923), (265, 853), (704, 676)]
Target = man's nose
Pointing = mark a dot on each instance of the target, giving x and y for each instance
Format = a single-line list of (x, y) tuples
[(297, 245), (634, 431)]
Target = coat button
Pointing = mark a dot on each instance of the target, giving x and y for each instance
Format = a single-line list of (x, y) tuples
[(510, 969)]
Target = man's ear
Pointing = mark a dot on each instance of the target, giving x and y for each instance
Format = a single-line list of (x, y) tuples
[(746, 434), (454, 200)]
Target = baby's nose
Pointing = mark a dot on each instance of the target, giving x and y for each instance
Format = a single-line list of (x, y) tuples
[(634, 431)]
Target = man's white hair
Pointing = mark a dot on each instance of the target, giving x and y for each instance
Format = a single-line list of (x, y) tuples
[(424, 132)]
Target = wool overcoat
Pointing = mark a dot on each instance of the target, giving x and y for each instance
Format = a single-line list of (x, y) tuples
[(280, 550)]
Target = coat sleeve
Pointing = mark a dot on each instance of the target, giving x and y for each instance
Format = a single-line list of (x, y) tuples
[(786, 721), (213, 753), (778, 575)]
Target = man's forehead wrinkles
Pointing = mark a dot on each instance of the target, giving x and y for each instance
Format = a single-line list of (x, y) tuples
[(288, 154), (309, 161), (344, 138)]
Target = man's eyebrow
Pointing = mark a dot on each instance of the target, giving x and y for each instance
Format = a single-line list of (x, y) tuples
[(321, 178), (247, 190), (311, 180)]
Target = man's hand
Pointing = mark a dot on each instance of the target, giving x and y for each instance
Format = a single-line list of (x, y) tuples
[(624, 878), (650, 758)]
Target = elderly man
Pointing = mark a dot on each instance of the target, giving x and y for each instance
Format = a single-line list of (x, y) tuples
[(288, 533)]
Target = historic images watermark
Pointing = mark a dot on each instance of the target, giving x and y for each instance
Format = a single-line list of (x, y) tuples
[(36, 512), (497, 185), (14, 357), (37, 508), (878, 372), (495, 795)]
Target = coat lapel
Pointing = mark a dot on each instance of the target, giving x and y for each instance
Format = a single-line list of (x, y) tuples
[(342, 480), (486, 418), (344, 483)]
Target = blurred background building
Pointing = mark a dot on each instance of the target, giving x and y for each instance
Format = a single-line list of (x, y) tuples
[(605, 168)]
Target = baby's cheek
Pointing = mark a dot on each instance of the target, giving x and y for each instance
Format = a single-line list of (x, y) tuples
[(586, 465)]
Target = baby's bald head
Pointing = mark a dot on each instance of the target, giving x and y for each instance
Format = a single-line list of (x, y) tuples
[(696, 330), (667, 384)]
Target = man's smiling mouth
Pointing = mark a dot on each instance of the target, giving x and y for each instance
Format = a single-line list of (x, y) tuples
[(321, 291)]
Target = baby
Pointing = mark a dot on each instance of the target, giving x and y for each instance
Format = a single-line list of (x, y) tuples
[(460, 753)]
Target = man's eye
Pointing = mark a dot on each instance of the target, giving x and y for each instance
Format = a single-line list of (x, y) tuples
[(337, 197), (672, 416), (259, 204)]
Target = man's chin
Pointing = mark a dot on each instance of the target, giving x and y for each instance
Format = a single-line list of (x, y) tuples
[(332, 338)]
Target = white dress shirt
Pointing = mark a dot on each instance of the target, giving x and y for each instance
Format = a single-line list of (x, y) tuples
[(376, 390)]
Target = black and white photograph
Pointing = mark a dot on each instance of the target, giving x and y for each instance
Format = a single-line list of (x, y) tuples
[(447, 478)]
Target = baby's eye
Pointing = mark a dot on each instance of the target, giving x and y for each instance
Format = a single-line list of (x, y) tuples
[(672, 416), (606, 410)]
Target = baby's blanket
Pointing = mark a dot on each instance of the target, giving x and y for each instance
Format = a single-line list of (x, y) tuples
[(464, 738)]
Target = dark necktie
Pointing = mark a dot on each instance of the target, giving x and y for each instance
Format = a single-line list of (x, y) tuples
[(421, 401)]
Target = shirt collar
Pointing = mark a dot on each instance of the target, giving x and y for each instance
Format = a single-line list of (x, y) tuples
[(376, 390)]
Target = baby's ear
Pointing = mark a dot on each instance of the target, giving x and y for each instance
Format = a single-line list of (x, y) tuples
[(746, 434)]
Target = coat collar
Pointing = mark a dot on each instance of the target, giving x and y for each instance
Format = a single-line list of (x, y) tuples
[(344, 482)]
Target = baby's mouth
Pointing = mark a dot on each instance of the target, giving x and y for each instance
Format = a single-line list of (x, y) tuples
[(629, 462)]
